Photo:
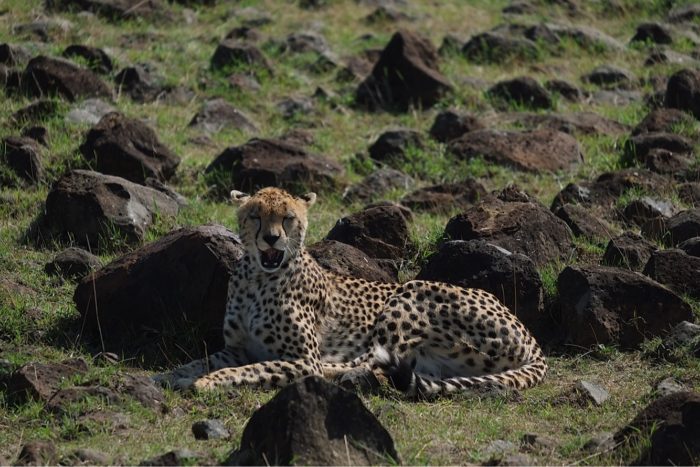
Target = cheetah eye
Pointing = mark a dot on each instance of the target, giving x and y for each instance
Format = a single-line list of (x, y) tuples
[(253, 217), (288, 217)]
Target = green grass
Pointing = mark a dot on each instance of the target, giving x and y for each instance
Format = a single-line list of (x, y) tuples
[(38, 320)]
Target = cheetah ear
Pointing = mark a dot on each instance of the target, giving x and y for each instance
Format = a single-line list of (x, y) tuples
[(238, 197), (308, 198)]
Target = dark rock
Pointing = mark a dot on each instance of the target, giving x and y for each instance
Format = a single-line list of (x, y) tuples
[(609, 76), (665, 162), (143, 389), (684, 13), (380, 232), (377, 184), (53, 76), (445, 197), (243, 82), (176, 457), (386, 14), (62, 400), (114, 10), (346, 260), (90, 208), (128, 148), (40, 381), (521, 226), (585, 123), (143, 84), (662, 120), (314, 422), (359, 66), (628, 251), (292, 107), (231, 53), (38, 133), (655, 33), (672, 422), (406, 75), (677, 229), (38, 453), (37, 111), (691, 246), (584, 223), (450, 45), (565, 89), (522, 91), (667, 56), (94, 422), (644, 209), (535, 151), (677, 270), (96, 58), (604, 305), (89, 111), (23, 156), (519, 7), (187, 272), (491, 47), (269, 162), (13, 55), (360, 379), (393, 145), (86, 456), (683, 336), (217, 114), (638, 147), (210, 429), (511, 277), (243, 32), (305, 42), (538, 443), (449, 125), (73, 263), (617, 97), (586, 37), (683, 91), (601, 443), (689, 193), (606, 189)]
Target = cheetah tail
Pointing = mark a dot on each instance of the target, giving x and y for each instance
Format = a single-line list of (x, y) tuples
[(401, 375)]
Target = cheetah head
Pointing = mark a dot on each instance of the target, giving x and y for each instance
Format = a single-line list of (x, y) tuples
[(272, 225)]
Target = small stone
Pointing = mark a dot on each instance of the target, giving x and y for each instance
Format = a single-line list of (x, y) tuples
[(535, 442), (210, 429), (592, 392), (499, 447), (175, 457), (600, 443), (73, 263), (37, 453)]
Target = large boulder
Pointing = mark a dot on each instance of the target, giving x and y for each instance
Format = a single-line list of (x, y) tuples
[(346, 260), (128, 148), (232, 53), (522, 91), (377, 184), (313, 422), (380, 232), (677, 270), (533, 151), (683, 91), (612, 306), (91, 208), (114, 10), (54, 76), (406, 75), (520, 226), (269, 162), (445, 197), (217, 114), (674, 230), (673, 424), (662, 120), (638, 147), (39, 381), (576, 123), (180, 280), (449, 125), (583, 222), (511, 277), (628, 251), (23, 157), (494, 47)]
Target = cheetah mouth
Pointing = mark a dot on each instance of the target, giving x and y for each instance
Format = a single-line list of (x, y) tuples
[(271, 258)]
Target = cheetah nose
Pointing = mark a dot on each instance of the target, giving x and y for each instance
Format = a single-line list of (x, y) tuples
[(271, 239)]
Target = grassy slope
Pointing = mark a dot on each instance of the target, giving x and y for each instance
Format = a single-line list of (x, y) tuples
[(450, 431)]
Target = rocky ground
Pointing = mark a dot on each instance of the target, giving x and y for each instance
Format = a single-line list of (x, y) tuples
[(544, 150)]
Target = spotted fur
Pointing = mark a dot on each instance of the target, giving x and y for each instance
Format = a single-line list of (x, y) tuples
[(286, 318)]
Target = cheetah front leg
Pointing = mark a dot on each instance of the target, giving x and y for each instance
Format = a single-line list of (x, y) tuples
[(184, 376), (267, 375)]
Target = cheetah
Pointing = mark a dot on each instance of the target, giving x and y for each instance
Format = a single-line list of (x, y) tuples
[(287, 318)]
